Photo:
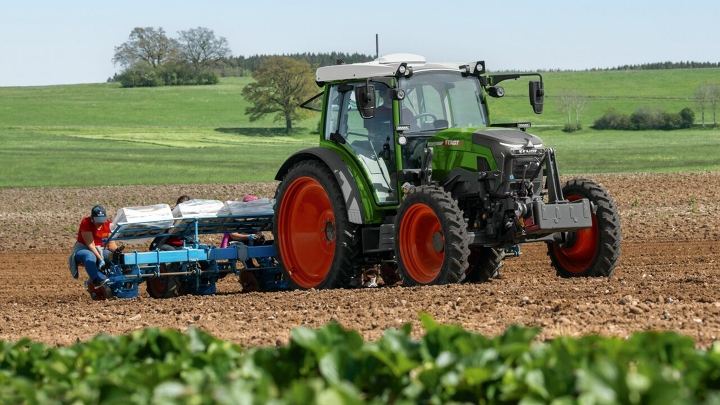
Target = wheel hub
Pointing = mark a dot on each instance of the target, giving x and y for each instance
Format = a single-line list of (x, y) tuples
[(329, 231), (437, 242), (569, 239)]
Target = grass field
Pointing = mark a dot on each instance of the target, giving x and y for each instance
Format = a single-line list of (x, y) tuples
[(101, 134)]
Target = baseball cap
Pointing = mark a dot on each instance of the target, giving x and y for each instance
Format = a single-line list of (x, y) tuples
[(249, 197), (98, 214)]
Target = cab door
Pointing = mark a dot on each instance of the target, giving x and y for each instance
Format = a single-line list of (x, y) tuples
[(371, 140)]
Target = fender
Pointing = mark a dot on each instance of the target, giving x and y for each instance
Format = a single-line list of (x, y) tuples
[(343, 175)]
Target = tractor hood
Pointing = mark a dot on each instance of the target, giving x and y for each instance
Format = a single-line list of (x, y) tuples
[(461, 147), (504, 143)]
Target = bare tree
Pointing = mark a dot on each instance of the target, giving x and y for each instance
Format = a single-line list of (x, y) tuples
[(579, 105), (703, 95), (201, 48), (572, 102), (714, 101), (146, 45), (566, 103)]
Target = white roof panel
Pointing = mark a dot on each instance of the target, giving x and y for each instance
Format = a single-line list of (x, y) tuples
[(385, 65)]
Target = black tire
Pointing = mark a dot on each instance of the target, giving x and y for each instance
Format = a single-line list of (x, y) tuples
[(430, 238), (591, 252), (315, 243), (484, 264), (164, 286)]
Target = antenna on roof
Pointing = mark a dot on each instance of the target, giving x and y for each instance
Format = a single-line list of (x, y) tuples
[(377, 47)]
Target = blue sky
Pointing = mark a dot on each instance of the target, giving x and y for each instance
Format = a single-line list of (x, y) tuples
[(46, 42)]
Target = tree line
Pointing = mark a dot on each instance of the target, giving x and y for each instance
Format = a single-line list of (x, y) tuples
[(252, 63), (668, 65)]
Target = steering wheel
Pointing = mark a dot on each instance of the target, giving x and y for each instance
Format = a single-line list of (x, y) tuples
[(417, 117)]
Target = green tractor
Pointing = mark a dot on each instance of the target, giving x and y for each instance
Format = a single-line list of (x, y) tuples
[(412, 174)]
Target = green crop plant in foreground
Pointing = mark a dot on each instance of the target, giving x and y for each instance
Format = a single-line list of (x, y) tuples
[(332, 365)]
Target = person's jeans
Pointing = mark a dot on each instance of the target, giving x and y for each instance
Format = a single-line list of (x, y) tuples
[(88, 259)]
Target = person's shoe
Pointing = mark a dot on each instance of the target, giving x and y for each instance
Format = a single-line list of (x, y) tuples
[(100, 289), (99, 282)]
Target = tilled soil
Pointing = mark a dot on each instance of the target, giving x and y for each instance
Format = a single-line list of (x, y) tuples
[(667, 278)]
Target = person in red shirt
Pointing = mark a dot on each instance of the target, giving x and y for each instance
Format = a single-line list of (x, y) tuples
[(90, 250)]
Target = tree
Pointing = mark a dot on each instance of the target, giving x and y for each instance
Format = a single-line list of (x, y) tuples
[(645, 118), (687, 116), (572, 102), (579, 105), (281, 85), (566, 104), (702, 99), (200, 48), (146, 45), (714, 101)]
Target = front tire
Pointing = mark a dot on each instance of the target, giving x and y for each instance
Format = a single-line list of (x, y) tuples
[(316, 244), (591, 252), (485, 263), (431, 238)]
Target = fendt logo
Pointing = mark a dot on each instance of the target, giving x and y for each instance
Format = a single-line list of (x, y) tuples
[(449, 142), (527, 151)]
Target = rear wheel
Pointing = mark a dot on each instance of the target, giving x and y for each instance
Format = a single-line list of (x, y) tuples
[(99, 293), (591, 252), (164, 286), (431, 238), (249, 282), (315, 242), (485, 263)]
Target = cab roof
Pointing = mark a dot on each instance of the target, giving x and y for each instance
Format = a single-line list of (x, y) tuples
[(383, 66)]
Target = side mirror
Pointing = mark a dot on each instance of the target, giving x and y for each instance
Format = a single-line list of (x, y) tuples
[(365, 99), (537, 96)]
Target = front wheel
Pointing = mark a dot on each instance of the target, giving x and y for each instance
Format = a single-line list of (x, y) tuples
[(594, 251), (485, 263), (431, 238)]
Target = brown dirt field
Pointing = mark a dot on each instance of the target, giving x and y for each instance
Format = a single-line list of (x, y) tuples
[(667, 278)]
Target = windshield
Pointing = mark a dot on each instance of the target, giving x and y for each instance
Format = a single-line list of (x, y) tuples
[(440, 100)]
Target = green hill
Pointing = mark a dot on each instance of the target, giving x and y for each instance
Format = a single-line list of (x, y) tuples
[(101, 134)]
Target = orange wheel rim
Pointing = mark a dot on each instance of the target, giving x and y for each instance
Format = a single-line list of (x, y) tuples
[(421, 243), (307, 232), (578, 257)]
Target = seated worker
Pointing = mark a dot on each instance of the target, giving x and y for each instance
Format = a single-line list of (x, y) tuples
[(170, 242), (89, 249), (250, 239), (246, 238), (380, 129)]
